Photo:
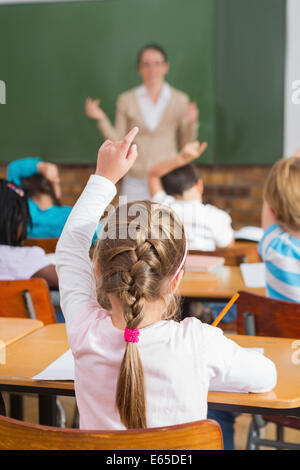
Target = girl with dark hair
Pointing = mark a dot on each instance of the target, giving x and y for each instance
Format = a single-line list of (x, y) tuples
[(135, 367), (16, 260), (166, 118), (42, 183)]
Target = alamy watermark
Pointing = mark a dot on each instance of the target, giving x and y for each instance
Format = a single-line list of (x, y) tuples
[(2, 92), (296, 354), (296, 93), (2, 352)]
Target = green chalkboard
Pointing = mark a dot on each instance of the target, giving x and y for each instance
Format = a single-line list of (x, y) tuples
[(249, 68), (54, 55)]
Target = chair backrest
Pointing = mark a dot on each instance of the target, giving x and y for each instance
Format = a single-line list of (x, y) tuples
[(239, 253), (199, 435), (48, 244), (272, 317), (14, 294)]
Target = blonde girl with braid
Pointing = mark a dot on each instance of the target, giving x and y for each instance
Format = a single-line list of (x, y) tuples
[(135, 365)]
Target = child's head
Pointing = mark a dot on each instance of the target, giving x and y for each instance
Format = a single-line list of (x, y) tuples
[(182, 179), (14, 214), (38, 184), (282, 192), (137, 259)]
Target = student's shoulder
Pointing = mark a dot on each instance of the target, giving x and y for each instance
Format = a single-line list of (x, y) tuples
[(192, 329), (60, 210), (161, 197), (22, 251), (216, 213), (273, 234)]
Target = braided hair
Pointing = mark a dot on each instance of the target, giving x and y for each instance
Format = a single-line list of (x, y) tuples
[(14, 214), (135, 262)]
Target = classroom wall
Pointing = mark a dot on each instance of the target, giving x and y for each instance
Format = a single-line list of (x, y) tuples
[(236, 189)]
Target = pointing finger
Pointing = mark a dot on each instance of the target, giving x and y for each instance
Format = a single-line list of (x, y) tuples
[(126, 143)]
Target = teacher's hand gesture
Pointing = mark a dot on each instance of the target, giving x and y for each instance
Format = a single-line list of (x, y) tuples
[(93, 110)]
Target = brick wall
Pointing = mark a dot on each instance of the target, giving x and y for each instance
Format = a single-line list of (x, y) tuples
[(236, 189)]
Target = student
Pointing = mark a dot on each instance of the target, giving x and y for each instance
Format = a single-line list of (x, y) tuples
[(280, 245), (177, 184), (17, 261), (42, 183), (134, 366)]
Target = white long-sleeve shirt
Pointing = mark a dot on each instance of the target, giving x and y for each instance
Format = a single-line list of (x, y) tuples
[(181, 360)]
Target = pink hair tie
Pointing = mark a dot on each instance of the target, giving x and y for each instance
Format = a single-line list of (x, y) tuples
[(131, 336)]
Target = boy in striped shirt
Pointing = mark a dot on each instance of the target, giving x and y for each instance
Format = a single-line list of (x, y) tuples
[(280, 245)]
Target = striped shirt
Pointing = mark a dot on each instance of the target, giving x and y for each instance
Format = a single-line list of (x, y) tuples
[(281, 254)]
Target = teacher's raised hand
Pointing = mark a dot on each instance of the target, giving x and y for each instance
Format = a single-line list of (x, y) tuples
[(93, 110)]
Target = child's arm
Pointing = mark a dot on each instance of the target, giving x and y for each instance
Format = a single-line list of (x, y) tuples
[(267, 216), (190, 152), (22, 168), (75, 274), (27, 167), (236, 368)]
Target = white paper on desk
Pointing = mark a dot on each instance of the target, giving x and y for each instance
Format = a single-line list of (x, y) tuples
[(215, 388), (61, 369), (253, 234), (253, 274)]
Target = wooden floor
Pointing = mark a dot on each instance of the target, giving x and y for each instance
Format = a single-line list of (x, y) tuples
[(241, 425)]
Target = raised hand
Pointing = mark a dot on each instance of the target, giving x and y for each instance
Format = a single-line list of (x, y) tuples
[(191, 151), (93, 110), (116, 158), (192, 112)]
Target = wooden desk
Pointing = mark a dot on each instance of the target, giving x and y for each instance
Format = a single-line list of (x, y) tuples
[(211, 286), (45, 345), (13, 329)]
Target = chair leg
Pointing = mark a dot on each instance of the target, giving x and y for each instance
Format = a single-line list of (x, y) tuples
[(75, 423), (257, 424), (252, 436), (2, 406), (62, 419), (280, 433), (16, 406)]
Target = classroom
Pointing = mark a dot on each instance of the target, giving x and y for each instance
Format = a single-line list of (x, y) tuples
[(149, 227)]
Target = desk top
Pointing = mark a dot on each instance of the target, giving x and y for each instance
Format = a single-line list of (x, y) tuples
[(43, 346), (211, 285), (13, 329)]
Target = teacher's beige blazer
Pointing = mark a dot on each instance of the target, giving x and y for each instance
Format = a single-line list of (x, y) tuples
[(163, 142)]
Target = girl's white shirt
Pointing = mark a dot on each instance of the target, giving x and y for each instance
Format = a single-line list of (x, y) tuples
[(181, 360)]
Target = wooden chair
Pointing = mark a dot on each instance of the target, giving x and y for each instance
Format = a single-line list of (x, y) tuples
[(199, 435), (28, 298), (48, 244), (263, 316)]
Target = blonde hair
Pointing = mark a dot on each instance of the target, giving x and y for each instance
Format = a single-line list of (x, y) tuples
[(282, 192), (137, 267)]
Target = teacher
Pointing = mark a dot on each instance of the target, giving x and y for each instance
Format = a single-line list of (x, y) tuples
[(166, 119)]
